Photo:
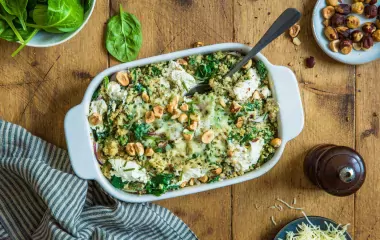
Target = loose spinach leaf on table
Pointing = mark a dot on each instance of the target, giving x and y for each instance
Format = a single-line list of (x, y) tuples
[(124, 36), (16, 8)]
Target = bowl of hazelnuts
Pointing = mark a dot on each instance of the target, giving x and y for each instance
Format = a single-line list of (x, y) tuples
[(348, 30)]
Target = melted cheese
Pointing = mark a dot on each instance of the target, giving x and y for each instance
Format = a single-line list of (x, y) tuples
[(128, 171)]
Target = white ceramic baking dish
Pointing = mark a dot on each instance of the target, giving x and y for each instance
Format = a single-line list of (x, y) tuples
[(285, 90)]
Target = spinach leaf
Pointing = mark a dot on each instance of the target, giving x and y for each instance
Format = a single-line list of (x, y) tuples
[(3, 26), (124, 36), (261, 69), (59, 15), (215, 179), (16, 8), (117, 182), (8, 18), (160, 184), (106, 81)]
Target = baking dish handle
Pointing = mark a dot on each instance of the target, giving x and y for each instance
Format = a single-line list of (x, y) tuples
[(289, 98), (80, 148)]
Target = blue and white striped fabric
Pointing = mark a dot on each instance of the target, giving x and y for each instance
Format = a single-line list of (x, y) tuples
[(41, 198)]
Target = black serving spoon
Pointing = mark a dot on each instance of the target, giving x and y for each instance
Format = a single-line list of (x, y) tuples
[(287, 19)]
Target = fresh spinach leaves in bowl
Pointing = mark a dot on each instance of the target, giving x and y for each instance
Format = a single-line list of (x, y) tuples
[(21, 20), (124, 36)]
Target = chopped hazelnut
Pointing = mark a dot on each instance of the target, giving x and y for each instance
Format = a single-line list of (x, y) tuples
[(295, 30), (331, 33), (184, 107), (376, 36), (158, 111), (332, 2), (193, 125), (326, 22), (203, 179), (183, 184), (122, 78), (139, 148), (149, 117), (145, 97), (187, 135), (240, 122), (217, 171), (276, 142), (95, 119), (149, 152), (208, 136), (334, 45), (358, 7), (248, 65), (195, 117), (182, 118), (235, 107), (296, 41), (130, 149), (222, 102), (199, 44), (176, 113), (191, 182), (182, 62), (356, 36), (378, 20), (256, 95)]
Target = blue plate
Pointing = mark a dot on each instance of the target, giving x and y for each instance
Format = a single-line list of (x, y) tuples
[(317, 221)]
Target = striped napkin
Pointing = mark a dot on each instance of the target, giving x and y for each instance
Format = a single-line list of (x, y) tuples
[(41, 198)]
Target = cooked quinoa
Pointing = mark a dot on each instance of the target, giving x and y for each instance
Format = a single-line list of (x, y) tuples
[(149, 138)]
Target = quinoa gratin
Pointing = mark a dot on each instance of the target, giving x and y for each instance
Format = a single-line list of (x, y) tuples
[(149, 138)]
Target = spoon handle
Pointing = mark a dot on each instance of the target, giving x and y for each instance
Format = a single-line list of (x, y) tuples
[(287, 19)]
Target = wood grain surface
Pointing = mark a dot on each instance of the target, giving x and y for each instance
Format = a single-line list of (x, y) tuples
[(341, 106)]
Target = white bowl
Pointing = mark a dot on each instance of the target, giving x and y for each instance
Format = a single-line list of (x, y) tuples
[(285, 89), (355, 57), (45, 39)]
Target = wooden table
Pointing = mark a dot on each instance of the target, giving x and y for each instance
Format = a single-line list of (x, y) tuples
[(341, 106)]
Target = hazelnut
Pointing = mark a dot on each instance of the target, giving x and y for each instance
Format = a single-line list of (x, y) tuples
[(184, 107), (376, 36), (326, 22), (334, 45), (296, 41), (369, 27), (176, 113), (256, 95), (343, 32), (276, 142), (331, 33), (343, 9), (130, 149), (183, 184), (174, 101), (295, 30), (370, 11), (139, 148), (217, 171), (158, 111), (203, 179), (353, 22), (367, 42), (149, 117), (191, 182), (193, 125), (332, 2), (187, 135), (378, 22), (195, 117), (198, 44), (230, 153), (370, 1), (328, 12), (338, 20), (235, 107), (358, 1), (358, 8), (122, 78), (208, 136), (239, 122), (182, 62), (145, 97), (248, 65), (357, 46), (345, 46), (182, 118), (222, 102), (149, 152), (356, 36), (310, 62), (95, 119), (170, 108)]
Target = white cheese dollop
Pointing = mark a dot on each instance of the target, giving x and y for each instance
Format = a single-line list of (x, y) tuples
[(115, 92), (98, 106), (128, 171), (175, 73), (244, 90), (192, 173), (242, 158)]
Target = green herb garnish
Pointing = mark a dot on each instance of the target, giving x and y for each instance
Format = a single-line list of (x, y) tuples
[(117, 182), (160, 184), (140, 130), (261, 69)]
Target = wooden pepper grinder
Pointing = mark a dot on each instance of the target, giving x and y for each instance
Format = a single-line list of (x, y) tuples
[(338, 170)]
